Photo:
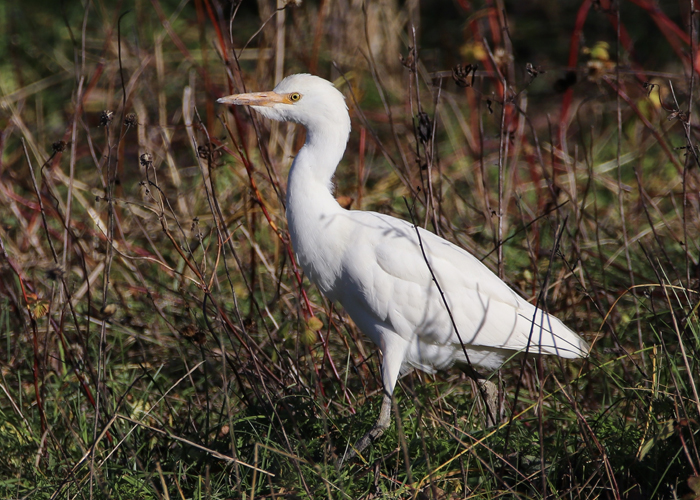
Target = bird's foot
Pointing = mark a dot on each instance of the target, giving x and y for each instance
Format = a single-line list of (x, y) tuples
[(375, 432)]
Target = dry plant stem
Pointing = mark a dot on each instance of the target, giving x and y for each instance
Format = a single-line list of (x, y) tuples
[(71, 175), (209, 451), (112, 167), (162, 200), (402, 442), (691, 159), (540, 382), (254, 35), (90, 451), (219, 32), (4, 384), (689, 143), (201, 24), (620, 200), (524, 229), (576, 37), (500, 215), (235, 74), (645, 200), (663, 283), (541, 300), (684, 353), (540, 423), (327, 355), (318, 36), (225, 380), (218, 216), (502, 155), (540, 158), (590, 434), (382, 96), (273, 175), (470, 448), (430, 212), (279, 40), (137, 423), (659, 138), (265, 395), (87, 455), (67, 294), (294, 457), (101, 359), (207, 295), (367, 126), (308, 311), (35, 335), (482, 175), (437, 212)]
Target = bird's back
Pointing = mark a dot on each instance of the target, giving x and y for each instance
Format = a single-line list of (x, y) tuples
[(385, 284)]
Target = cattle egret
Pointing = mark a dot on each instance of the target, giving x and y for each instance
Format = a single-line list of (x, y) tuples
[(384, 274)]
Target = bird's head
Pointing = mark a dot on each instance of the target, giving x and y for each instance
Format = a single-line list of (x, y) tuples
[(305, 99)]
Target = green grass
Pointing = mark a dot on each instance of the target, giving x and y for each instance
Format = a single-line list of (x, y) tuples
[(155, 339)]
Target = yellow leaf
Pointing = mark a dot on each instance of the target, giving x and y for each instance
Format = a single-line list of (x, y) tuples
[(314, 324), (40, 308), (600, 51), (308, 337)]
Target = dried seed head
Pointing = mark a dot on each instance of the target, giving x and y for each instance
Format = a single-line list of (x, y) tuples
[(533, 71), (410, 60), (55, 273), (460, 74), (146, 159), (59, 146), (106, 117), (425, 127), (193, 334), (108, 310)]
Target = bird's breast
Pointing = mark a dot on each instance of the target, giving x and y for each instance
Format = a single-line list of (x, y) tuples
[(319, 243)]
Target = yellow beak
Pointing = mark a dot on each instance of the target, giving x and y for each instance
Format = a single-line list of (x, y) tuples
[(256, 99)]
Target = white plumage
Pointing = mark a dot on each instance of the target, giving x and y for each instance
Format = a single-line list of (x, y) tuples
[(373, 264)]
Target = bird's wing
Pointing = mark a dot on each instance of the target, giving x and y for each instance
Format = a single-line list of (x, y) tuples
[(398, 288)]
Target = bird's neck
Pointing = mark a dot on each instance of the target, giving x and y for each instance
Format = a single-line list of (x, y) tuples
[(313, 215), (311, 175)]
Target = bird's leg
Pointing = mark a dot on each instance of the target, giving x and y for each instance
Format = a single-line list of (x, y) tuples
[(393, 349), (489, 395), (376, 431)]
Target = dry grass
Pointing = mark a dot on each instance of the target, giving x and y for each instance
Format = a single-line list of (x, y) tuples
[(159, 341)]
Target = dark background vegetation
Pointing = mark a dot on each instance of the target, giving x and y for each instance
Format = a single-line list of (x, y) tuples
[(157, 339)]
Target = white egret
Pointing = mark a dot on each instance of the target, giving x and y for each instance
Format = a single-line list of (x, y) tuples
[(373, 264)]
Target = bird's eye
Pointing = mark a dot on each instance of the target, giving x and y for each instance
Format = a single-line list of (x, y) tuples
[(294, 96)]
